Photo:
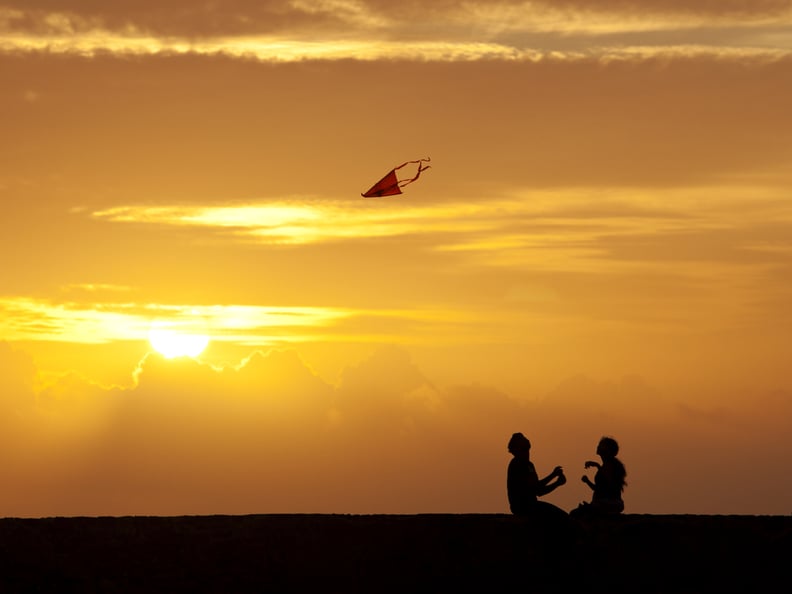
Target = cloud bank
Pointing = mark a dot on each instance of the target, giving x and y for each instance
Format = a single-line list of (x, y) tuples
[(374, 30), (269, 435)]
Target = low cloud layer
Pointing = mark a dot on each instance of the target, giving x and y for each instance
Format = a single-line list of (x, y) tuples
[(271, 436)]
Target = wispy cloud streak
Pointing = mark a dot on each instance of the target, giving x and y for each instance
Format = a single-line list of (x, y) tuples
[(349, 29), (95, 323), (769, 45), (528, 218), (302, 222), (31, 319)]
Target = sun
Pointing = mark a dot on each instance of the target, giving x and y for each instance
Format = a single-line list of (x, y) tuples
[(172, 343)]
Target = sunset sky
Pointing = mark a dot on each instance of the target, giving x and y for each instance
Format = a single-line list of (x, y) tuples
[(602, 246)]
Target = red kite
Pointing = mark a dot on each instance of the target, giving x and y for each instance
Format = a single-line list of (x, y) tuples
[(391, 184)]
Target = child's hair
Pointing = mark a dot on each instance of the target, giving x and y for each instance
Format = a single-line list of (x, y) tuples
[(610, 447)]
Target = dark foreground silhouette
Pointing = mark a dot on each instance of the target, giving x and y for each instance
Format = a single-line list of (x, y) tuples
[(392, 553)]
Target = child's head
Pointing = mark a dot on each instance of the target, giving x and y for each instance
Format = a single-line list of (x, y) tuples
[(608, 447)]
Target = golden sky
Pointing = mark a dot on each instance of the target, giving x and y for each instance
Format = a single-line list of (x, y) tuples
[(603, 245)]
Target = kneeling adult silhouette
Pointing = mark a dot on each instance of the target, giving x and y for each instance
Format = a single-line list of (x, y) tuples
[(523, 485)]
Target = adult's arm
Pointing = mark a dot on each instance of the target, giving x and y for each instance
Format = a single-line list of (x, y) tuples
[(546, 485)]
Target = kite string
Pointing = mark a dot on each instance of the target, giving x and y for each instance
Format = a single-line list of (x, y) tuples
[(409, 162), (421, 167)]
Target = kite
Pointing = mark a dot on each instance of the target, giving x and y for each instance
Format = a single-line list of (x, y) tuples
[(391, 184)]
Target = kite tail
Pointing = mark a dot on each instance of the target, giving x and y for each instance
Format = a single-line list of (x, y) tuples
[(421, 167)]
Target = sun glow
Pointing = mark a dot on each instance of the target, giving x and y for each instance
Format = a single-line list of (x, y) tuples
[(171, 343)]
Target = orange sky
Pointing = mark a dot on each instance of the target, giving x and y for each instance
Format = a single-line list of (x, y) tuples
[(602, 246)]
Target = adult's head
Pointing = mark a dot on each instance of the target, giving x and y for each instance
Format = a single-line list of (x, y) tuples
[(519, 444)]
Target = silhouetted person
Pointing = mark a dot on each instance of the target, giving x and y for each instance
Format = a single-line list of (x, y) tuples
[(524, 486), (608, 484)]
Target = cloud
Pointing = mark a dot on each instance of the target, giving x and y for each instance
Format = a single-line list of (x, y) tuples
[(711, 7), (344, 29), (598, 244), (629, 397), (178, 18), (103, 322), (97, 322), (390, 366), (18, 378), (269, 435), (303, 220), (236, 17), (266, 435)]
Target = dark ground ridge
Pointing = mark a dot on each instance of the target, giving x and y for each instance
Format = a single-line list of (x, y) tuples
[(395, 553)]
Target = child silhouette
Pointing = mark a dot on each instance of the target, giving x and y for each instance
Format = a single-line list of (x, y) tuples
[(608, 483)]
